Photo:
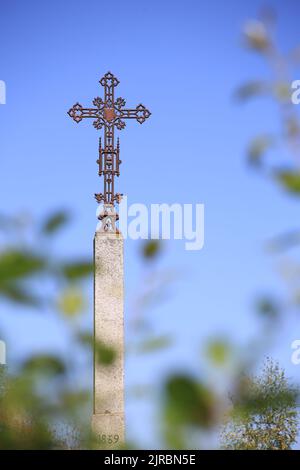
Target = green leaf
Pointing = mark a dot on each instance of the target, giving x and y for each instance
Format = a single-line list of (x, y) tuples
[(290, 180), (258, 148), (256, 36), (268, 307), (292, 127), (73, 401), (44, 365), (282, 91), (218, 351), (284, 241), (16, 264), (155, 344), (18, 294), (78, 269), (71, 302), (251, 89), (55, 222), (151, 249), (104, 354)]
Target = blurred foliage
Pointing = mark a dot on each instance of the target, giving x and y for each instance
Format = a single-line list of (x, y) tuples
[(219, 351), (256, 36), (44, 365), (78, 270), (71, 302), (20, 268), (264, 409), (187, 403), (15, 267), (258, 147), (104, 354), (251, 89), (268, 307), (260, 37), (155, 344), (55, 222), (283, 242), (41, 406), (290, 180), (264, 412)]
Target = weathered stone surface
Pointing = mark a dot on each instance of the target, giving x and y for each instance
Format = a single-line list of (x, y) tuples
[(109, 430), (108, 418)]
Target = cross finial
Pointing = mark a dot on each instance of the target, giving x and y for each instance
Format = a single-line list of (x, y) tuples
[(109, 113)]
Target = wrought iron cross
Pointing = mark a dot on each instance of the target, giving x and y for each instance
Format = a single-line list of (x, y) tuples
[(109, 113)]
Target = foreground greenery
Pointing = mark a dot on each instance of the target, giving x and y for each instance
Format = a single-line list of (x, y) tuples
[(264, 415)]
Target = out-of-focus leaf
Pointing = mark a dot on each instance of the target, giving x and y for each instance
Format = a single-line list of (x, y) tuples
[(3, 378), (268, 307), (86, 338), (16, 293), (293, 127), (78, 269), (55, 222), (17, 264), (71, 302), (256, 36), (141, 391), (295, 54), (269, 393), (268, 16), (104, 354), (290, 271), (251, 90), (264, 412), (44, 365), (290, 180), (258, 148), (189, 402), (284, 242), (15, 223), (218, 351), (296, 297), (282, 91), (6, 222), (151, 249), (155, 344), (72, 400)]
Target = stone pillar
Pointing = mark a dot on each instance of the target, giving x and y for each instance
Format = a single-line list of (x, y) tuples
[(108, 419)]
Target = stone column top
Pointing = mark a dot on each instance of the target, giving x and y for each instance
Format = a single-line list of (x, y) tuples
[(109, 235)]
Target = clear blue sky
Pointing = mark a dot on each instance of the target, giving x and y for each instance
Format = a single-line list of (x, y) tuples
[(183, 60)]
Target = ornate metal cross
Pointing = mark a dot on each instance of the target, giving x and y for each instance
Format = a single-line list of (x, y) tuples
[(109, 113)]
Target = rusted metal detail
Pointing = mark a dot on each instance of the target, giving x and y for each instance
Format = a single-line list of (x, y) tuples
[(109, 113)]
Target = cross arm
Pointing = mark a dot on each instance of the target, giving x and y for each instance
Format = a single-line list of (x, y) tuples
[(140, 113), (78, 112)]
